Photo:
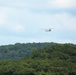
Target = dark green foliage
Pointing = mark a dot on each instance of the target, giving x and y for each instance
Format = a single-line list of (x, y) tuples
[(46, 59), (19, 50)]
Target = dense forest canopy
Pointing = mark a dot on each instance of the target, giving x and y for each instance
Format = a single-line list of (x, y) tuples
[(19, 50), (38, 59)]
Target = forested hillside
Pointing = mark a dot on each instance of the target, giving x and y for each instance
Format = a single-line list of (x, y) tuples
[(19, 50), (52, 59)]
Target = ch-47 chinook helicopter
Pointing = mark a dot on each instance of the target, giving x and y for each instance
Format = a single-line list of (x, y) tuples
[(48, 30)]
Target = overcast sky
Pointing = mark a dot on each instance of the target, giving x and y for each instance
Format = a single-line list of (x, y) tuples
[(23, 20)]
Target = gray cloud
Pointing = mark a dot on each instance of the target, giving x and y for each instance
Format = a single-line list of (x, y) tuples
[(19, 21)]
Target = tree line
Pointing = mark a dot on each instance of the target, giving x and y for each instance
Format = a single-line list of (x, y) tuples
[(52, 59)]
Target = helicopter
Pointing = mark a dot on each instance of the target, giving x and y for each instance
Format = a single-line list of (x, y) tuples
[(48, 30)]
